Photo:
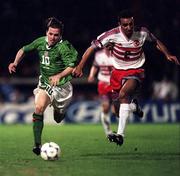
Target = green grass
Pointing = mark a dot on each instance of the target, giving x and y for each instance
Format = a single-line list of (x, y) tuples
[(149, 150)]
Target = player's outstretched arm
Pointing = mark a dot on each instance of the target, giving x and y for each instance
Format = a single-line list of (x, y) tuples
[(77, 72), (12, 66), (54, 80), (165, 51)]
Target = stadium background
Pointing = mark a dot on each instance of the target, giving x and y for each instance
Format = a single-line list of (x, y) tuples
[(149, 149), (22, 22)]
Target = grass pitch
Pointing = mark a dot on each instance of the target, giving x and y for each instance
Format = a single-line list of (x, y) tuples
[(149, 150)]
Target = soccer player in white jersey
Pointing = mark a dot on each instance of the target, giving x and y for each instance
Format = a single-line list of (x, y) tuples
[(102, 67), (128, 59)]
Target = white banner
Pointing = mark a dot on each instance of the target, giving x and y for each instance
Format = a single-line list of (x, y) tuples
[(89, 111)]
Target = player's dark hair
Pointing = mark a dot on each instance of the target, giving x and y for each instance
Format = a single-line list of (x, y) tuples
[(54, 23), (125, 14)]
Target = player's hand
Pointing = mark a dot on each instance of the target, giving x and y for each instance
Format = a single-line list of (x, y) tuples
[(173, 59), (12, 68), (54, 80), (77, 72)]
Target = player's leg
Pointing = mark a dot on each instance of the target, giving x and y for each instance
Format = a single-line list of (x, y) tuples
[(115, 107), (42, 100), (136, 109), (62, 98), (59, 114), (105, 116), (126, 91)]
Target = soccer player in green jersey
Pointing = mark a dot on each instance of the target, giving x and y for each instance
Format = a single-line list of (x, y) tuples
[(57, 58)]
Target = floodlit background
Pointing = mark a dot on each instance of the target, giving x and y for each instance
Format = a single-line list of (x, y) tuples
[(151, 145), (22, 21)]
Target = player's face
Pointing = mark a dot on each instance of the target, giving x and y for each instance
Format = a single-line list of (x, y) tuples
[(53, 35), (127, 26)]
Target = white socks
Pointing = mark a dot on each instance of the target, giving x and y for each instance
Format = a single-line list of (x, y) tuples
[(124, 112), (132, 107), (105, 120)]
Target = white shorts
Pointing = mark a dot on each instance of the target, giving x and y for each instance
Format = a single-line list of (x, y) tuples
[(60, 96)]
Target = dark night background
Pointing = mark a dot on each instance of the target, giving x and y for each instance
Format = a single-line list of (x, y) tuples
[(22, 21)]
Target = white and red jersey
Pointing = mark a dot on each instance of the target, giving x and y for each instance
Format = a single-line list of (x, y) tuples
[(127, 53), (105, 64)]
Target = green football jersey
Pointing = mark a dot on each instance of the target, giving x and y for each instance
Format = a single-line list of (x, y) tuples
[(53, 59)]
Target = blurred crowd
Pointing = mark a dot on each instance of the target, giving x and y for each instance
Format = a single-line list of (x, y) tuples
[(22, 22)]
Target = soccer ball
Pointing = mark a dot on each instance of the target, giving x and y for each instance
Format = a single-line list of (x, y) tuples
[(50, 151)]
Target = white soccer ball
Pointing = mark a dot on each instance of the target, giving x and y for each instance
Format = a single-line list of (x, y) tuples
[(50, 151)]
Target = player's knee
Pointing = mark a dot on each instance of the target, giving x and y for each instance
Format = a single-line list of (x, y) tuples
[(106, 107), (106, 110), (39, 109)]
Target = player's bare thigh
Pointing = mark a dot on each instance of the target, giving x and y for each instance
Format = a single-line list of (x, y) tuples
[(42, 100), (105, 106), (127, 90)]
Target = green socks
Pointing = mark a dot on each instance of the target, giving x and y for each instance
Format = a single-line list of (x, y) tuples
[(37, 128)]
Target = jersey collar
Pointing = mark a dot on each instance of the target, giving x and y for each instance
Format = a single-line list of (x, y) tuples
[(49, 47)]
